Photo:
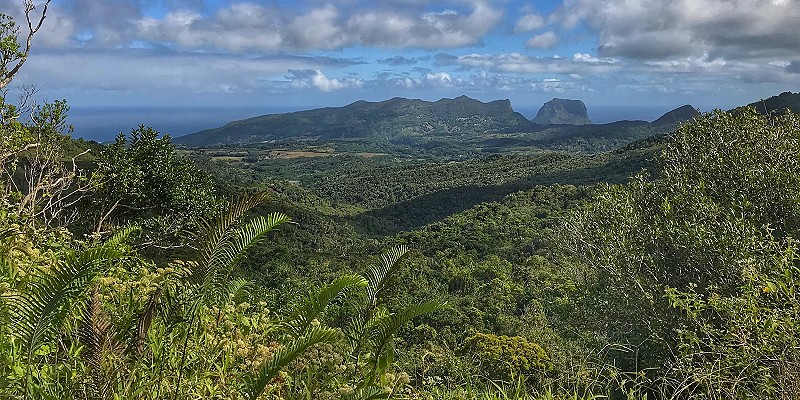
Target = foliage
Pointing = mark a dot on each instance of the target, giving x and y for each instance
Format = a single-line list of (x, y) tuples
[(681, 283), (504, 357), (743, 345), (715, 229), (143, 181)]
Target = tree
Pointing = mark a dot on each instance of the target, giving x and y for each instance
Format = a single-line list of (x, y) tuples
[(12, 53), (32, 159), (143, 179), (677, 258)]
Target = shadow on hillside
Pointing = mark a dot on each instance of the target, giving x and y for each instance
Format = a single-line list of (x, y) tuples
[(426, 209)]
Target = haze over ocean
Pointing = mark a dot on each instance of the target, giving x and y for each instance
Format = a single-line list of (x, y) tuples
[(104, 123)]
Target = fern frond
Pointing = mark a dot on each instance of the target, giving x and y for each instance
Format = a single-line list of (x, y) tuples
[(235, 243), (39, 308), (383, 327), (380, 273), (238, 289), (121, 237), (256, 383), (313, 304), (213, 231)]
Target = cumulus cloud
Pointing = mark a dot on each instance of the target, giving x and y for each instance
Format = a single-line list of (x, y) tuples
[(85, 23), (485, 80), (140, 69), (663, 29), (439, 79), (244, 26), (529, 22), (316, 79), (519, 63), (543, 41), (254, 27)]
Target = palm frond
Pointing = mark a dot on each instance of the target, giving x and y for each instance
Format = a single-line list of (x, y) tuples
[(8, 232), (40, 307), (122, 237), (313, 304), (96, 334), (383, 327), (256, 383), (145, 320), (238, 289), (380, 273), (213, 231), (223, 257)]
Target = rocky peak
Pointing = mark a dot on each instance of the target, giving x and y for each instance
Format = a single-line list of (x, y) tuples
[(563, 111)]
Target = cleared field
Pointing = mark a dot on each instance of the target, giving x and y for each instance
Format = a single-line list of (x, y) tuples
[(228, 158), (299, 153)]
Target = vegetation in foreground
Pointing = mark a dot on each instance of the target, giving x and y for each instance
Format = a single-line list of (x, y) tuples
[(681, 283)]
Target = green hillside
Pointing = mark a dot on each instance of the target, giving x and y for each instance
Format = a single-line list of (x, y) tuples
[(388, 119), (777, 104), (448, 128)]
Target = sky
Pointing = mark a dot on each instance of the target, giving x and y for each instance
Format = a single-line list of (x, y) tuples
[(275, 55)]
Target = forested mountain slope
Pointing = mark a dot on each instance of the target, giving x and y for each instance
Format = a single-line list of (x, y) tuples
[(388, 119), (445, 128)]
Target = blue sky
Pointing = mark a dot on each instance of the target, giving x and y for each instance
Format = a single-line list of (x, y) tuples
[(309, 53)]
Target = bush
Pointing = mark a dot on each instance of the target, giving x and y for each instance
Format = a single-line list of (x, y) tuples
[(505, 357)]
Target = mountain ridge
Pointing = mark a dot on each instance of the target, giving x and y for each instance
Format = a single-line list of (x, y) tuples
[(455, 123), (396, 117)]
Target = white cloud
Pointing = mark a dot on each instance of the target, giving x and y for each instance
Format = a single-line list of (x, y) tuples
[(522, 64), (439, 79), (529, 22), (543, 41), (664, 29), (316, 79), (253, 27), (325, 84), (140, 69)]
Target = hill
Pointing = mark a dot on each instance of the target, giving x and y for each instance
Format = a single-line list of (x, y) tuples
[(680, 114), (445, 129), (563, 111), (397, 117), (777, 104)]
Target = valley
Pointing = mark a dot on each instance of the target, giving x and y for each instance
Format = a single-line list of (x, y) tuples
[(384, 244)]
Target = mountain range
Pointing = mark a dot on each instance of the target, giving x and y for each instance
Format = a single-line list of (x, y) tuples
[(397, 117), (561, 124)]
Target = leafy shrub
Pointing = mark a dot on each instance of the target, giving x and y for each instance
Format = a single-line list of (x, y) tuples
[(505, 357)]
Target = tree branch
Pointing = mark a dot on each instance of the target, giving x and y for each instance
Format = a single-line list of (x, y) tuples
[(29, 7)]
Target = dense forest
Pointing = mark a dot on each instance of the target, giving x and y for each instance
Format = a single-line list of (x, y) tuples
[(667, 268)]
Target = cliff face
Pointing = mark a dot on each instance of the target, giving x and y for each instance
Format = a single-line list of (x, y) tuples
[(563, 111)]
